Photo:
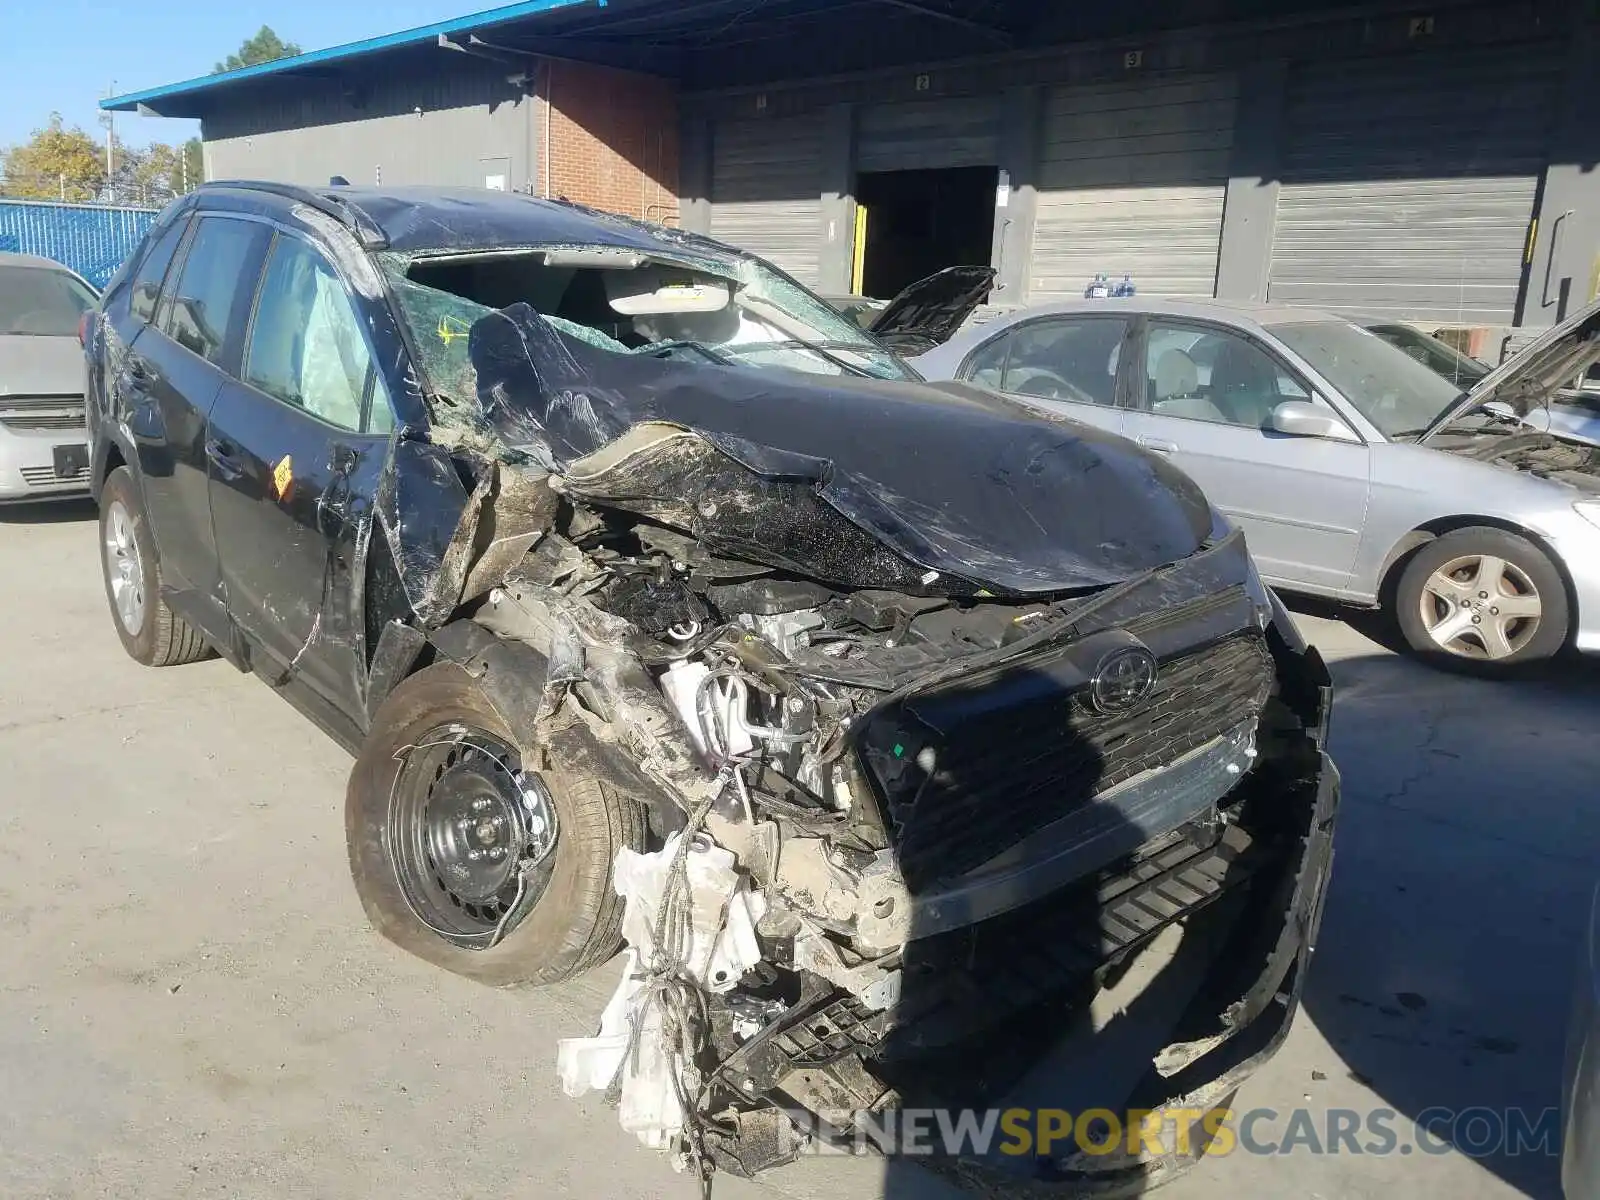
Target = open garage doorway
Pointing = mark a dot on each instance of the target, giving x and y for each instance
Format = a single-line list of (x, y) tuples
[(913, 223)]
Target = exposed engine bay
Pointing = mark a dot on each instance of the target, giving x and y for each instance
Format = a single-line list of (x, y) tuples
[(1546, 455)]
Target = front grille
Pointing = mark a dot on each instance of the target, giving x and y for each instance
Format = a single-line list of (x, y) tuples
[(966, 980), (43, 412), (45, 421), (47, 477), (999, 777)]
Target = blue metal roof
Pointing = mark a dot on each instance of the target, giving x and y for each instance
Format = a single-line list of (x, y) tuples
[(422, 35)]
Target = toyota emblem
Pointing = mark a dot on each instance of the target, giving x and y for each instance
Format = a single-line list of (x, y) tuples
[(1123, 680)]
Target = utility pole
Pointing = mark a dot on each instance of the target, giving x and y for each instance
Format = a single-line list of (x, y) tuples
[(109, 120)]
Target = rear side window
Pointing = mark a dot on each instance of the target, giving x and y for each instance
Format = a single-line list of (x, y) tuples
[(213, 291), (306, 345), (147, 283)]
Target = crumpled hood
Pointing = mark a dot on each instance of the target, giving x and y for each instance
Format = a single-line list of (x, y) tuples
[(968, 492), (36, 365), (1551, 361)]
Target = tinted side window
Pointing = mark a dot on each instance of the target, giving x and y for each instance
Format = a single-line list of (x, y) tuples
[(1066, 358), (147, 283), (306, 346), (213, 292)]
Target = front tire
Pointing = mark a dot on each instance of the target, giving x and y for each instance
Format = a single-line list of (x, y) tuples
[(1483, 599), (151, 632), (438, 814)]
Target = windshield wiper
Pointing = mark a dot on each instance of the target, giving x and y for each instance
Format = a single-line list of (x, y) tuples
[(663, 349), (817, 348)]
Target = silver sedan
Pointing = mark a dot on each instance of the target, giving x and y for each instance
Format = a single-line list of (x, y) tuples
[(1356, 472)]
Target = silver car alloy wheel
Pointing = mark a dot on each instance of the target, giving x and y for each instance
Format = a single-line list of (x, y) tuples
[(123, 568), (1481, 606)]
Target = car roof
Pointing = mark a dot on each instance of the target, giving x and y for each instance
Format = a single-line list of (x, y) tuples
[(1232, 312), (445, 219), (10, 258)]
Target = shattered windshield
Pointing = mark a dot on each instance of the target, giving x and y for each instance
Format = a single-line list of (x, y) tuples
[(733, 312)]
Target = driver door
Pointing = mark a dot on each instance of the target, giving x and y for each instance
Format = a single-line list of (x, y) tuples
[(1066, 364), (1209, 397), (296, 445)]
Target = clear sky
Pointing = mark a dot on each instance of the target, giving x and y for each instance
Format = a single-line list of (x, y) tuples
[(62, 55)]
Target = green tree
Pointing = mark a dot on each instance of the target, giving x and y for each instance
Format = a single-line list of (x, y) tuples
[(193, 172), (264, 47), (156, 173), (56, 163)]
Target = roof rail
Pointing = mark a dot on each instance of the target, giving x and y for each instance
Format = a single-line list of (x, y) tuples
[(346, 213)]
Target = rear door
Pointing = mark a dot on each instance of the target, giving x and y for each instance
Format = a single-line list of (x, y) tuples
[(1067, 364), (168, 381), (296, 445), (128, 306), (1209, 396)]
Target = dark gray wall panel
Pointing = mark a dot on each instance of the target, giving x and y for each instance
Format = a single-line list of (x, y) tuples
[(1408, 185), (1132, 178), (454, 123), (766, 190), (963, 131)]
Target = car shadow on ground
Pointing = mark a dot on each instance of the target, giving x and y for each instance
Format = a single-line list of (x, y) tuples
[(56, 512), (1466, 854)]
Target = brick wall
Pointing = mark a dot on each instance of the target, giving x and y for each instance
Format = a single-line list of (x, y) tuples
[(613, 140)]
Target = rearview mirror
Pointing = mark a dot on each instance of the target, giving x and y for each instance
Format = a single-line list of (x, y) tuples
[(1301, 418)]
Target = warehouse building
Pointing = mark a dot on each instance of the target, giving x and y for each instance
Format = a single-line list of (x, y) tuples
[(1433, 163)]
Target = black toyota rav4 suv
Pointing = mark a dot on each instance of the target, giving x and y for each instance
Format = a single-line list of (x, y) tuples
[(584, 534)]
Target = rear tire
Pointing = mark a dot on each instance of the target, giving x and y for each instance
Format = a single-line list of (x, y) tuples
[(576, 920), (1482, 599), (151, 632)]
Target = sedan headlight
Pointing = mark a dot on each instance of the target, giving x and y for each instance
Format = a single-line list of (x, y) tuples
[(1589, 510)]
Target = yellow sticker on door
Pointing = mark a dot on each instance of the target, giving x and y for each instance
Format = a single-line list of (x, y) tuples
[(283, 477)]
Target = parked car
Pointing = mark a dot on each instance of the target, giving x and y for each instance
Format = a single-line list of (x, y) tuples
[(44, 451), (1572, 412), (1356, 472), (665, 548), (925, 314), (1438, 356)]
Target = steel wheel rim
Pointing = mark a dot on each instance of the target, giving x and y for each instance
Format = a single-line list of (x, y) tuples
[(124, 569), (469, 835), (1481, 606)]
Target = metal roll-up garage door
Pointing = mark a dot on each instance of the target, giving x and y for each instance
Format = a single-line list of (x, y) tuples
[(1132, 178), (929, 134), (1409, 184), (766, 190)]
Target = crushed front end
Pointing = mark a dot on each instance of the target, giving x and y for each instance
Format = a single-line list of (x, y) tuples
[(943, 821), (945, 715)]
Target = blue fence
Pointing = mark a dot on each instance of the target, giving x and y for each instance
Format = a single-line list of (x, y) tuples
[(91, 239)]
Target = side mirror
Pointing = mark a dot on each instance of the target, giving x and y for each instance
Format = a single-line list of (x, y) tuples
[(1301, 418)]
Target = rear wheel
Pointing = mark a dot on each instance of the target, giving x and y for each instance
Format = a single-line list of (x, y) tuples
[(151, 632), (466, 859), (1483, 598)]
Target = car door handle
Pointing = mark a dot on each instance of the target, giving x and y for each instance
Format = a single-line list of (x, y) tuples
[(224, 455), (1159, 445)]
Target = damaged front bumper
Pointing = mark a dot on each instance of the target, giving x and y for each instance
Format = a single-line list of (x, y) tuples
[(1245, 877)]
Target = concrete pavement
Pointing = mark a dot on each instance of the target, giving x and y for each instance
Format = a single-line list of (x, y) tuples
[(191, 1004)]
